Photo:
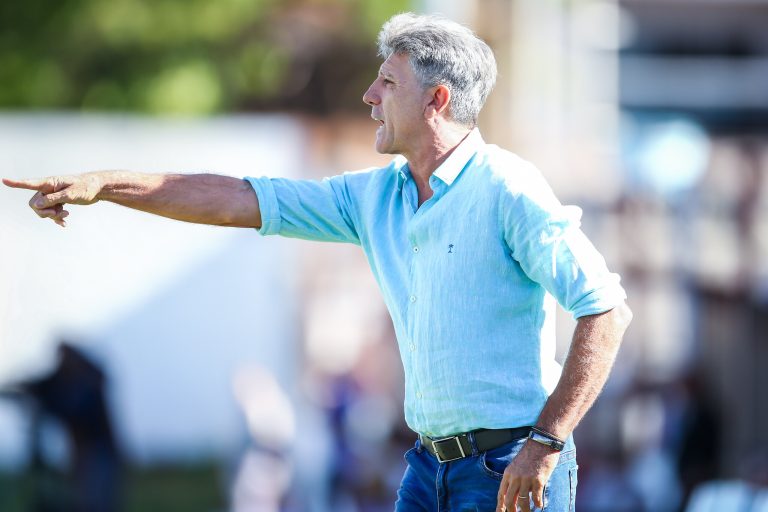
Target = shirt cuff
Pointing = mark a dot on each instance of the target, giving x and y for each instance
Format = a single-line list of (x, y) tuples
[(599, 301), (269, 209)]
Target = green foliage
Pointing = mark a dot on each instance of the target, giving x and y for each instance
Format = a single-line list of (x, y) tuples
[(190, 57)]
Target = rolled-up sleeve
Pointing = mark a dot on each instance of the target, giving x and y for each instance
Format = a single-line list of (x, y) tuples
[(306, 209), (546, 239)]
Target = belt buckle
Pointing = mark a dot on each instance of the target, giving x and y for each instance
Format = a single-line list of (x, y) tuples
[(437, 453)]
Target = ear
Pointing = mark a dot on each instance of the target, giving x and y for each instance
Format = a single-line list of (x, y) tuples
[(438, 99)]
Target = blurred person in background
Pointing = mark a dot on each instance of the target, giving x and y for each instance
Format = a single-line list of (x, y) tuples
[(264, 472), (74, 395), (468, 244)]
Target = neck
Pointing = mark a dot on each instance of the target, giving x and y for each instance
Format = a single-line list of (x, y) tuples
[(438, 146)]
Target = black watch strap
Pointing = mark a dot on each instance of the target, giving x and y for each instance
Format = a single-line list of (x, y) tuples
[(547, 439)]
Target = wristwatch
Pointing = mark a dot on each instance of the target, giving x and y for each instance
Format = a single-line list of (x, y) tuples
[(547, 439)]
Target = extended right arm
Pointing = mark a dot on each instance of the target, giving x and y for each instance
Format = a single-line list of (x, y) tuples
[(199, 198)]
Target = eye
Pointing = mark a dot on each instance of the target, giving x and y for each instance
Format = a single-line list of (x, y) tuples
[(387, 81)]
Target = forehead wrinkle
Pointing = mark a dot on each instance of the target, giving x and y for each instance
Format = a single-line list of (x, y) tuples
[(385, 73), (392, 68)]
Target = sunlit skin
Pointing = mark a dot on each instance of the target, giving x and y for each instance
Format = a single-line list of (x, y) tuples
[(398, 102), (414, 121)]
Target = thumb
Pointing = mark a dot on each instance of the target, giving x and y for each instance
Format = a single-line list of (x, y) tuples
[(37, 184), (53, 199)]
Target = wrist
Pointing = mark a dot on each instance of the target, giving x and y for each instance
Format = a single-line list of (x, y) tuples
[(545, 438), (98, 182), (539, 450)]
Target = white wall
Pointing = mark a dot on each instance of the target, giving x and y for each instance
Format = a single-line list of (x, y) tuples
[(170, 308)]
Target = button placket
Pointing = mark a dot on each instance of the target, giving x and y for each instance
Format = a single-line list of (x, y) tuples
[(414, 276)]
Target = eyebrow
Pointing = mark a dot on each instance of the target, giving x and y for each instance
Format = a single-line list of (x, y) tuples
[(385, 74)]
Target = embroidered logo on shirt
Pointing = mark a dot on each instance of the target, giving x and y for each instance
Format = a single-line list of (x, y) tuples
[(450, 248)]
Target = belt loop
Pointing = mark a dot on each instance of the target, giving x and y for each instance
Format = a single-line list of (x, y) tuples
[(419, 444), (472, 443)]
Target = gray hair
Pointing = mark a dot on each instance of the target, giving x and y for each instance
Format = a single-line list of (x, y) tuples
[(444, 52)]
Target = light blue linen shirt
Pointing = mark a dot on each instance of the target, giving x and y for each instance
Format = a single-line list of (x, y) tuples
[(468, 277)]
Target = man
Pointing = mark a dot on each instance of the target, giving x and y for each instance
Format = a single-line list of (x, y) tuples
[(468, 245)]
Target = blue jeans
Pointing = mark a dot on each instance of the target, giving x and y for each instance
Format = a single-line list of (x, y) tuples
[(472, 484)]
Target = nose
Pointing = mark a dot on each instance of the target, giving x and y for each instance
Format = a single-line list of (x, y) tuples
[(371, 97)]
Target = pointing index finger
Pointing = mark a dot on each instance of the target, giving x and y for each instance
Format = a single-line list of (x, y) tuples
[(25, 184)]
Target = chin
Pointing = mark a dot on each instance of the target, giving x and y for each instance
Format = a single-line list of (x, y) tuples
[(385, 149)]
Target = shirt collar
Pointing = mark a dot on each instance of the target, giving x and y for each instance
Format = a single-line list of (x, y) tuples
[(403, 173), (455, 163)]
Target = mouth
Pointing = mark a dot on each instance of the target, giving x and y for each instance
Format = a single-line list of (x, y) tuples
[(380, 121)]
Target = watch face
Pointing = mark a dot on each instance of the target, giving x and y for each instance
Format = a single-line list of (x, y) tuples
[(552, 443)]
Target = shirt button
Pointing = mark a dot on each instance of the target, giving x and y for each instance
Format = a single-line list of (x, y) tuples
[(416, 249), (413, 347), (413, 298), (418, 394)]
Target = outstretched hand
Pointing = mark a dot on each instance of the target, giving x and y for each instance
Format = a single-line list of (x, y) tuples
[(53, 193)]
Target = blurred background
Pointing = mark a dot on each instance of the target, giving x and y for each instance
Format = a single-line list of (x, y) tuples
[(147, 364)]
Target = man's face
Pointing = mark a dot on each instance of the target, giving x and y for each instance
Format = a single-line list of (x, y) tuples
[(397, 102)]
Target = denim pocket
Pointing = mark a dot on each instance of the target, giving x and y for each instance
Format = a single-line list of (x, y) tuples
[(409, 452), (494, 462), (490, 471)]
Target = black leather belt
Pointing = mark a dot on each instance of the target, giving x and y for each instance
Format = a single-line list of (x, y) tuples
[(463, 445)]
